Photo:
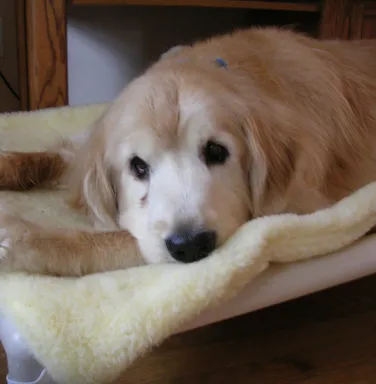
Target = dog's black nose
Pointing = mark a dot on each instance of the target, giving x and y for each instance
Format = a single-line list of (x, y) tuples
[(188, 246)]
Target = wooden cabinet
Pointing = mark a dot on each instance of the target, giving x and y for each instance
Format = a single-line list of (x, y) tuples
[(293, 5), (43, 32), (363, 20), (335, 19)]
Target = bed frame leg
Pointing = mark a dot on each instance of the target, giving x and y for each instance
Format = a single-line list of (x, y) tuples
[(22, 366)]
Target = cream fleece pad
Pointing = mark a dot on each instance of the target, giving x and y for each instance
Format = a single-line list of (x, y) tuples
[(88, 330)]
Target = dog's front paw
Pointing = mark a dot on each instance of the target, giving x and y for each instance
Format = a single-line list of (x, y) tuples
[(5, 243), (15, 234)]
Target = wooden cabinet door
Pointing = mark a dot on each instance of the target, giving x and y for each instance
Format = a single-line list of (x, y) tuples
[(335, 19), (363, 20)]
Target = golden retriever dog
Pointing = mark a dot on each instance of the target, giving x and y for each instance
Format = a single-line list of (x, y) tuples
[(251, 123)]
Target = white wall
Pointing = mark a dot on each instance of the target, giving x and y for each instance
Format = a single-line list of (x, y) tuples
[(108, 46)]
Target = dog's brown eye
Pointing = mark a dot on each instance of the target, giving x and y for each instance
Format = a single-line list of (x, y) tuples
[(215, 153), (139, 168)]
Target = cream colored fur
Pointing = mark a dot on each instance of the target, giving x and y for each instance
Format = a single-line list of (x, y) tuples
[(89, 329)]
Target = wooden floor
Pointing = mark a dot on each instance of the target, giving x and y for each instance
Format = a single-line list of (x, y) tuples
[(326, 338)]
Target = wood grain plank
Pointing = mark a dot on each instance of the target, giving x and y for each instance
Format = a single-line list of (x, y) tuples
[(47, 53), (369, 27), (363, 20), (21, 53), (324, 338), (242, 4), (357, 18), (335, 19), (369, 20)]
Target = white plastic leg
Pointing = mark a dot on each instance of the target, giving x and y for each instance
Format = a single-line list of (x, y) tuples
[(23, 368)]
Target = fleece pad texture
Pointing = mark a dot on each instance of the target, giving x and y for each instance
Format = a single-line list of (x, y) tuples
[(90, 329)]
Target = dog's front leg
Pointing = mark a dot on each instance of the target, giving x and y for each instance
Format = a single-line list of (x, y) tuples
[(28, 247)]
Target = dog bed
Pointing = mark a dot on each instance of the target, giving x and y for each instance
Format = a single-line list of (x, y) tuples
[(90, 329)]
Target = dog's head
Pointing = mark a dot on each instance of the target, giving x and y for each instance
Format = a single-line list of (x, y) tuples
[(181, 161)]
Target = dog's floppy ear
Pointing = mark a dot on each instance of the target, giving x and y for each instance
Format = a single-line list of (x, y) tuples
[(282, 156), (271, 165), (91, 181)]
